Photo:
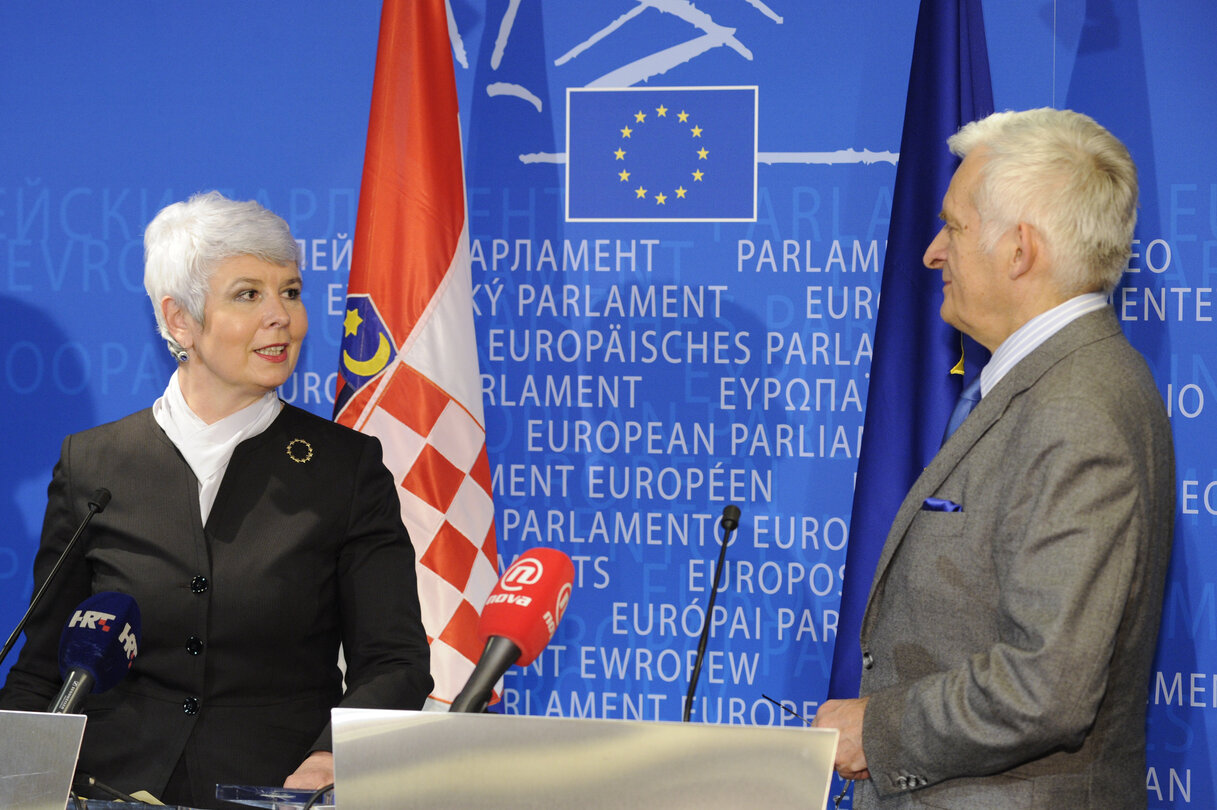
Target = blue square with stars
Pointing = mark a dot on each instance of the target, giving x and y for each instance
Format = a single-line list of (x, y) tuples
[(675, 154)]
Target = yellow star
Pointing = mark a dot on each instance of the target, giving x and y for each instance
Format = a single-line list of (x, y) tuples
[(661, 111), (350, 324), (640, 116), (702, 153), (620, 153), (680, 192), (682, 116), (624, 175), (625, 132), (640, 192), (661, 198), (697, 175), (696, 132)]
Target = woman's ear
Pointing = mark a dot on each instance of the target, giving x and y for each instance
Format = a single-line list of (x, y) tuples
[(178, 321)]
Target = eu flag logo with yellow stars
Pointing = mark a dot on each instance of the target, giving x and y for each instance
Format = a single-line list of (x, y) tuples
[(674, 154), (367, 345)]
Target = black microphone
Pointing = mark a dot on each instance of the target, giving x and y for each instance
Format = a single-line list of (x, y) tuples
[(97, 504), (518, 620), (730, 519), (730, 522), (98, 646)]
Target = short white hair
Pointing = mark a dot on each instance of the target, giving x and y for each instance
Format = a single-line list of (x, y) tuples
[(186, 241), (1062, 173)]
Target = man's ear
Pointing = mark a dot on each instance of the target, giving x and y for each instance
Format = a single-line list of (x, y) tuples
[(178, 321), (1027, 250)]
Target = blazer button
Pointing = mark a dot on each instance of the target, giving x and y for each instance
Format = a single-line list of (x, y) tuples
[(868, 662), (190, 705), (199, 584), (194, 645)]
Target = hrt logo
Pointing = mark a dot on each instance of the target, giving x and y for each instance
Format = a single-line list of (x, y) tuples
[(92, 620), (130, 645), (522, 573)]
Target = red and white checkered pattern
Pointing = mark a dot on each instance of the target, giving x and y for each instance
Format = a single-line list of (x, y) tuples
[(437, 453)]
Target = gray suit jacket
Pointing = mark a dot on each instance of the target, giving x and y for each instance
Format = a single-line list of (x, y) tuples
[(1007, 646)]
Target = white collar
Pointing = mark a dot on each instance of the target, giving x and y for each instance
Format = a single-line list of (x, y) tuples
[(208, 448), (1028, 337)]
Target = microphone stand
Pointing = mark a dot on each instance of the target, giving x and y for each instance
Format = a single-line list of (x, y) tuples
[(97, 504), (730, 522)]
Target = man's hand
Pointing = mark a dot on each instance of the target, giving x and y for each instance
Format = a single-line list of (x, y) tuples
[(315, 772), (846, 717)]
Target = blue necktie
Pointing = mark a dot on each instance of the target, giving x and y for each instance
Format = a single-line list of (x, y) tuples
[(968, 398)]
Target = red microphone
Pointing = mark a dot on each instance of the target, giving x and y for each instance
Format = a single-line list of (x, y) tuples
[(518, 620)]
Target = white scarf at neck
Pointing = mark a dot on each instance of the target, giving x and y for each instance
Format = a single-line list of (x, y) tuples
[(208, 448)]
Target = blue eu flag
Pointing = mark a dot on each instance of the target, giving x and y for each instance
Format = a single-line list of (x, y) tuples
[(912, 391), (675, 154)]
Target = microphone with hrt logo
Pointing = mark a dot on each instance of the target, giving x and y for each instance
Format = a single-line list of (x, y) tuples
[(98, 646)]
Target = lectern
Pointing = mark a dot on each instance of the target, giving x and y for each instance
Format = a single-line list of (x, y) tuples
[(38, 754), (393, 760)]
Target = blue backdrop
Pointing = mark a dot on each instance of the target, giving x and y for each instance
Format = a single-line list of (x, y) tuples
[(637, 375)]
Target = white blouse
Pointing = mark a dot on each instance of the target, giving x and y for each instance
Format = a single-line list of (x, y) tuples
[(208, 448)]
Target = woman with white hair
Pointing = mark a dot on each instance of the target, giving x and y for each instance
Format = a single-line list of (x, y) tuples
[(255, 537)]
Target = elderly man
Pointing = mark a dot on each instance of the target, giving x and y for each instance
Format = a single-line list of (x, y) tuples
[(1010, 629)]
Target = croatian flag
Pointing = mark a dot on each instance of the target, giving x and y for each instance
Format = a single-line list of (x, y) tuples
[(408, 370)]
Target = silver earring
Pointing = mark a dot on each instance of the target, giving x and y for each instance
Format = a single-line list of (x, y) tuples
[(181, 355)]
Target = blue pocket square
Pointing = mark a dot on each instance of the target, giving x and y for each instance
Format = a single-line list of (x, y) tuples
[(940, 505)]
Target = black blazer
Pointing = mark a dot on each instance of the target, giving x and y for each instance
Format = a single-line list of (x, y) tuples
[(242, 618)]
